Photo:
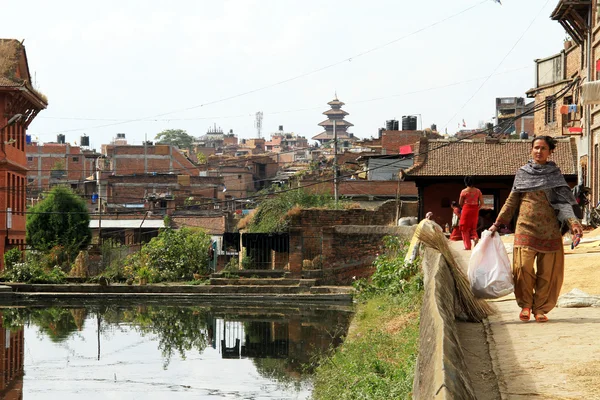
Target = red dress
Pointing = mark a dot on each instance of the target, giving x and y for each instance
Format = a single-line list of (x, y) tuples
[(469, 215), (456, 233)]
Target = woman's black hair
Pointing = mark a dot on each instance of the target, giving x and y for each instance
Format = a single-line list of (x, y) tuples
[(548, 139), (468, 181), (454, 204)]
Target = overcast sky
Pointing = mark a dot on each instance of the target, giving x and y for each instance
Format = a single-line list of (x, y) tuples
[(190, 64)]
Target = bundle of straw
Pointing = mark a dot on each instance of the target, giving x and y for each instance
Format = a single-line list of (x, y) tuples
[(475, 309)]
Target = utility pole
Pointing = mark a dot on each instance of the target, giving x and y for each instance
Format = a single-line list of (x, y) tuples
[(335, 167)]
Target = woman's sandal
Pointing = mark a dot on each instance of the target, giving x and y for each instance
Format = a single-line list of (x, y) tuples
[(541, 318), (525, 314)]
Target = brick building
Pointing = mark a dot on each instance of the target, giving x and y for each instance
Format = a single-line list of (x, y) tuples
[(507, 108), (124, 159), (19, 105), (553, 74), (578, 65), (160, 193), (392, 141), (51, 164)]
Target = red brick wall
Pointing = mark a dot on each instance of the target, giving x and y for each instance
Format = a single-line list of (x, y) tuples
[(349, 251), (352, 251), (366, 188), (392, 140), (128, 159), (13, 180), (133, 188)]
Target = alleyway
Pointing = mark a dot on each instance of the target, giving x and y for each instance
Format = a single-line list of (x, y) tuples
[(556, 360)]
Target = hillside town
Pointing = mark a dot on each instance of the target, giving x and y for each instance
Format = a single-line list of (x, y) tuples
[(363, 188)]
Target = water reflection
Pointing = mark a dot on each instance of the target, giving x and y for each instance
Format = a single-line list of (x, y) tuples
[(198, 352)]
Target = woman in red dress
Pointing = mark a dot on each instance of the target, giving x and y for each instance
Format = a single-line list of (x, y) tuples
[(456, 234), (471, 201)]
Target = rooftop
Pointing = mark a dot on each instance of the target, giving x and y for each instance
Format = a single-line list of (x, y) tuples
[(498, 157)]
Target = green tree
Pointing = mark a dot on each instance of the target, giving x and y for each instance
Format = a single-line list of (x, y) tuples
[(175, 137), (61, 219)]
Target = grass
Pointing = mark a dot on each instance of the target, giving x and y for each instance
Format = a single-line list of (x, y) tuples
[(377, 359)]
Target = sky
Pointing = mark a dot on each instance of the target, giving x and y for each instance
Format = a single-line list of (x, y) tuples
[(140, 67)]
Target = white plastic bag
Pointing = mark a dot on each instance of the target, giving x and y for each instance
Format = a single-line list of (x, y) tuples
[(490, 272)]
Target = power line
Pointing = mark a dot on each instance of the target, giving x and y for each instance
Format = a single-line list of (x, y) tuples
[(500, 64), (249, 114), (347, 59)]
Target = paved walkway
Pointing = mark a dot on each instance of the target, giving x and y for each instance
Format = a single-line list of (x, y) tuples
[(556, 360)]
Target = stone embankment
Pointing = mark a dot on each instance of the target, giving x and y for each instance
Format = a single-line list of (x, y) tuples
[(441, 371), (251, 288)]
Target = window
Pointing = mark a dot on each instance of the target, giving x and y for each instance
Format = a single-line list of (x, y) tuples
[(550, 116), (75, 159), (30, 180), (29, 159)]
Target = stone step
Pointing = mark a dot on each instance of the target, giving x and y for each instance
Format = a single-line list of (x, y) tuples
[(263, 281), (299, 287), (332, 289), (248, 273)]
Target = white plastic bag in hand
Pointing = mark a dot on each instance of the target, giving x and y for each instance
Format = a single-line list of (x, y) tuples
[(490, 272)]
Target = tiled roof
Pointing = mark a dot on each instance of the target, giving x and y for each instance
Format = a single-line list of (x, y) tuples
[(338, 122), (336, 102), (480, 158), (6, 82), (335, 112), (329, 135)]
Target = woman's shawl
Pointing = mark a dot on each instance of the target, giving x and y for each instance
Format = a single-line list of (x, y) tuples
[(532, 177)]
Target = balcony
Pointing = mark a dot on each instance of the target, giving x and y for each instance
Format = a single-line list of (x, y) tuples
[(573, 16)]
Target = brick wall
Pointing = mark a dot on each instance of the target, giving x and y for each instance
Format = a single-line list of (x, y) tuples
[(128, 159), (134, 188), (349, 251), (42, 159), (573, 61), (392, 140), (363, 188)]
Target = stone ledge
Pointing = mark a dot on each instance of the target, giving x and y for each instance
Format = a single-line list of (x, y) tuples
[(441, 372)]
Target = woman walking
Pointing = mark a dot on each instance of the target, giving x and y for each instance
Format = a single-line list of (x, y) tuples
[(471, 201), (543, 202)]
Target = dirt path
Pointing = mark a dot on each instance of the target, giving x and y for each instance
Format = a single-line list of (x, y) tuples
[(556, 360)]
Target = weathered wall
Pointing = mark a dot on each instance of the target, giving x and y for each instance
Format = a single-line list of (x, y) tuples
[(349, 251), (441, 372)]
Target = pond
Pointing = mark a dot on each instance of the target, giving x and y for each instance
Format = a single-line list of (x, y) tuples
[(158, 351)]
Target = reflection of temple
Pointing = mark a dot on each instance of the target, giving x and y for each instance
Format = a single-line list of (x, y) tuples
[(11, 362)]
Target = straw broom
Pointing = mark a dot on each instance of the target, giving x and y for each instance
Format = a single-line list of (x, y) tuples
[(476, 309)]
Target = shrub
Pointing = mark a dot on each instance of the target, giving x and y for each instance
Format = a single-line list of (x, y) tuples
[(173, 255), (31, 272), (11, 257), (392, 276)]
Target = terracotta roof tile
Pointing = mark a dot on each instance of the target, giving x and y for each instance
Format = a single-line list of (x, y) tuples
[(329, 135), (481, 158), (338, 122)]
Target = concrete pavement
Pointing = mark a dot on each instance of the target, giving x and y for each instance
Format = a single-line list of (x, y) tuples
[(559, 359)]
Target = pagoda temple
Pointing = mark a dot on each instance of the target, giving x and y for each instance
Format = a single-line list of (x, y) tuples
[(341, 126)]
